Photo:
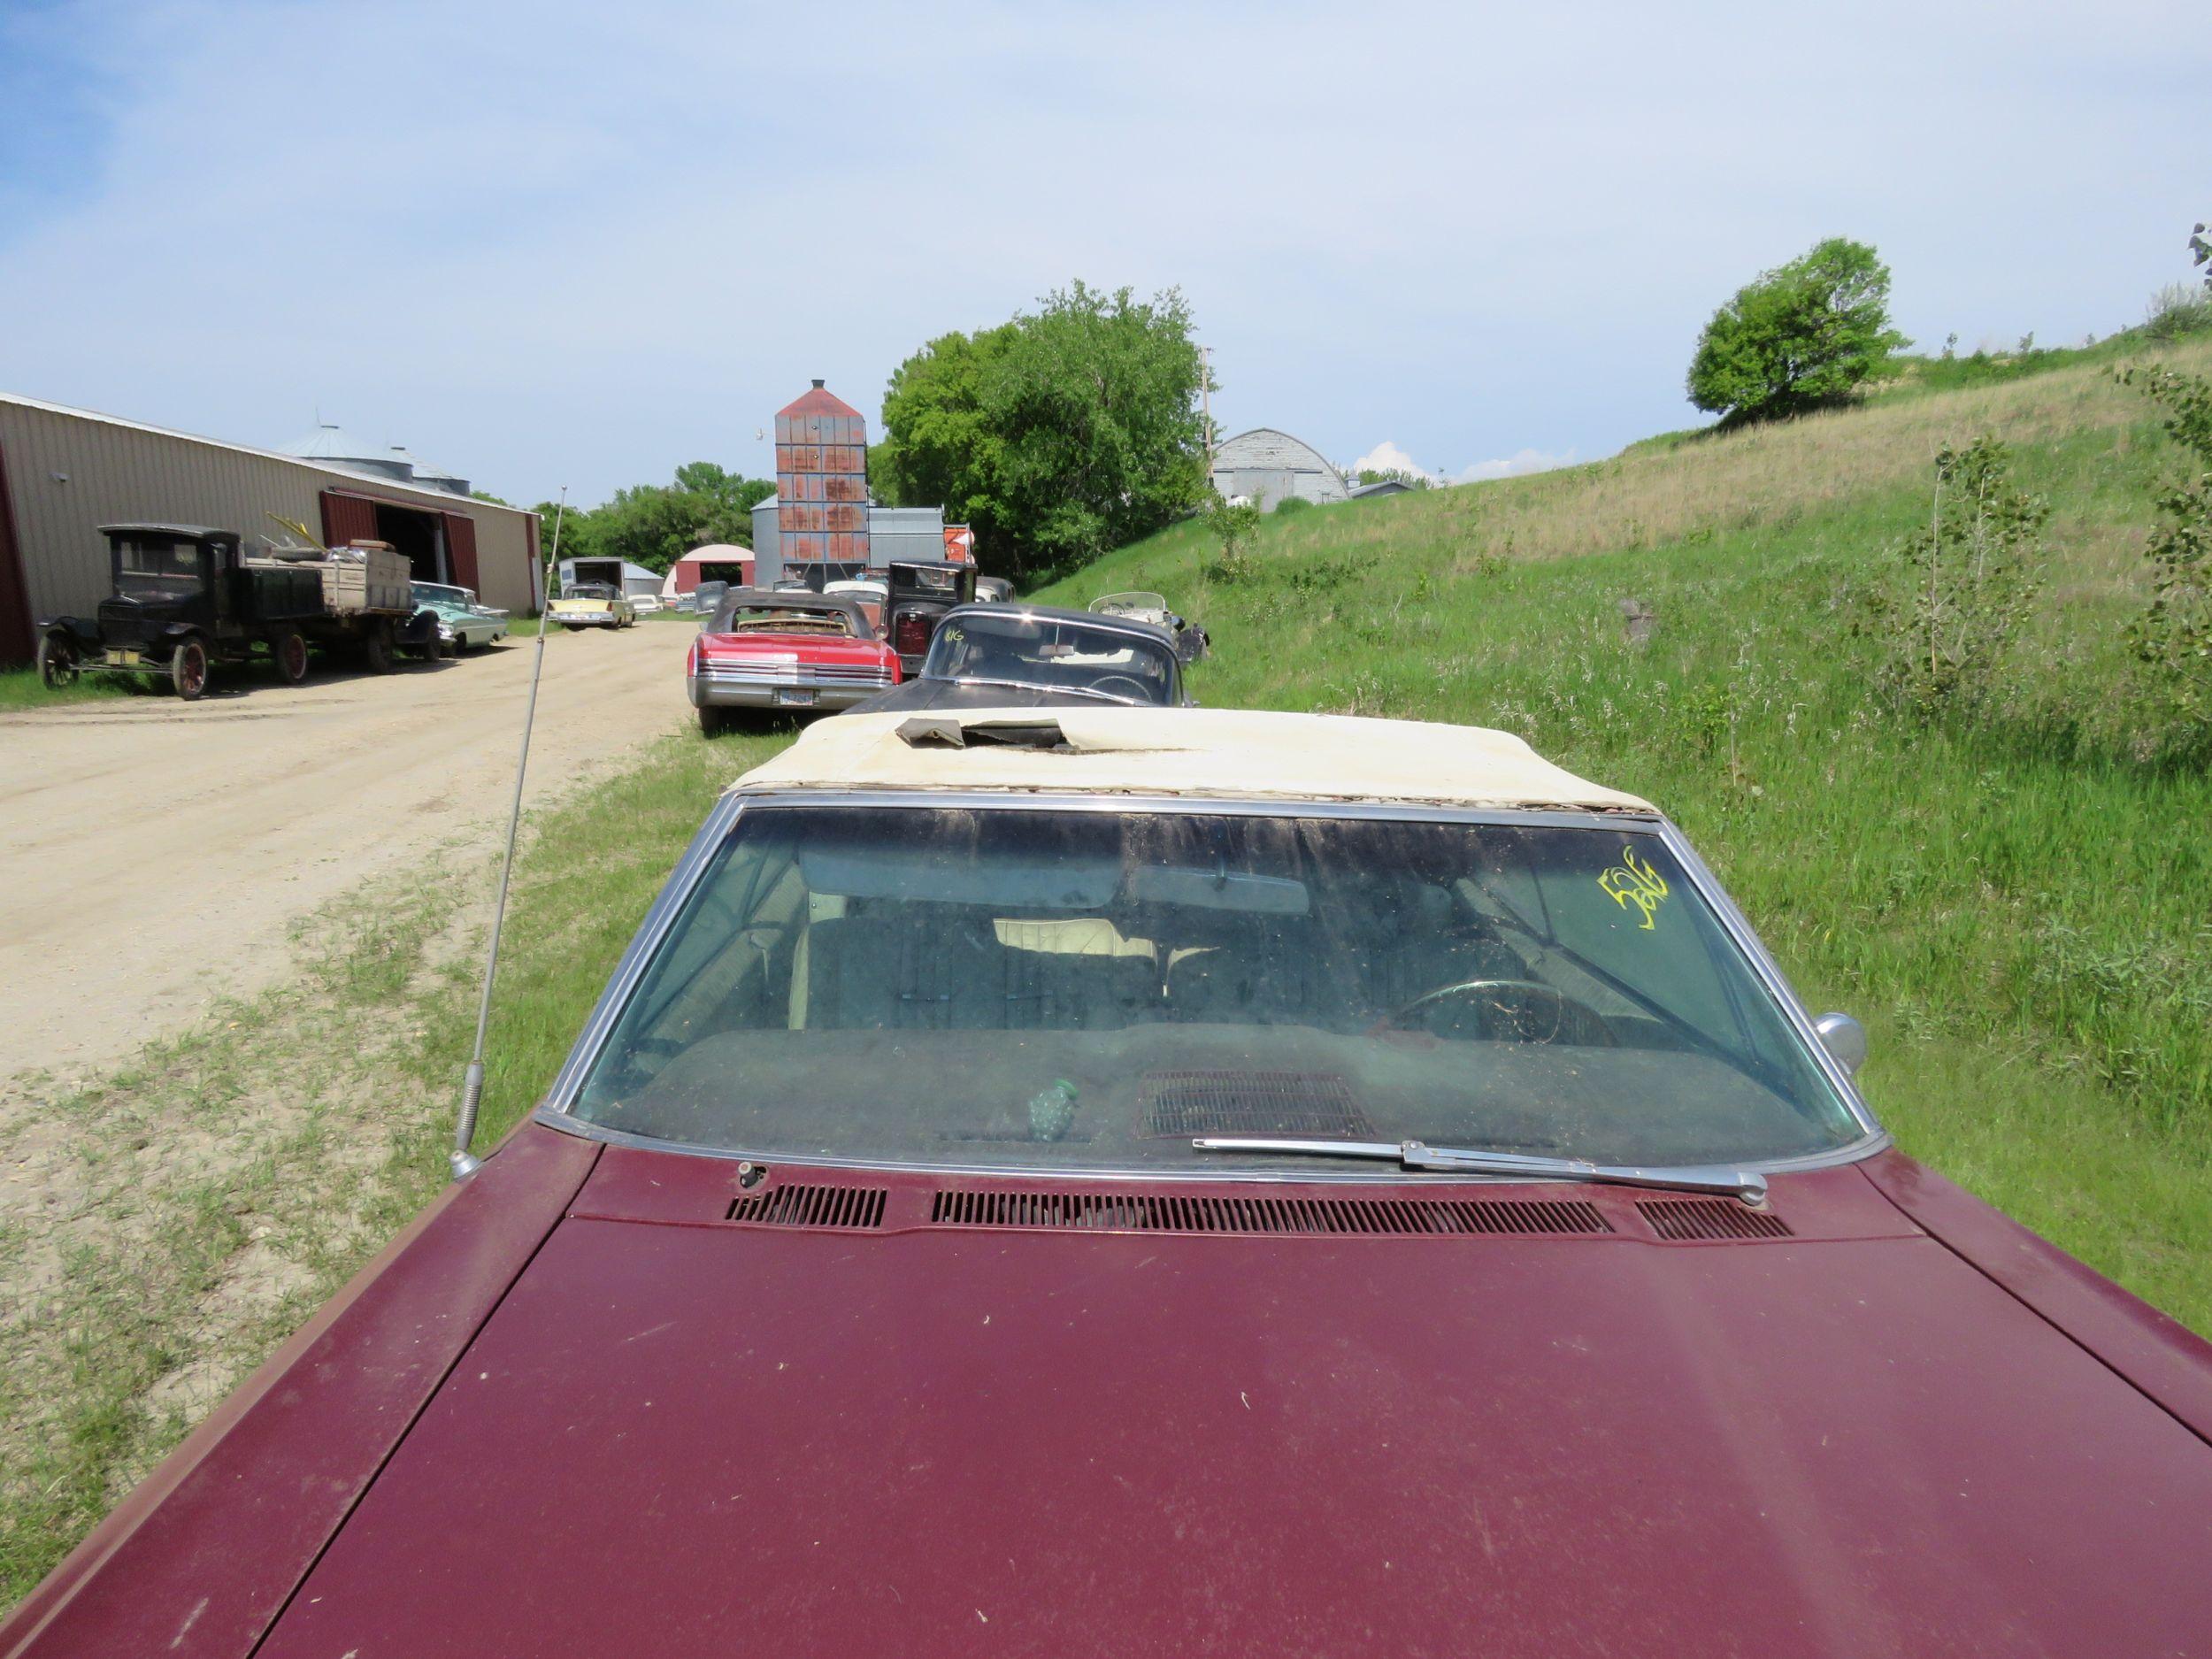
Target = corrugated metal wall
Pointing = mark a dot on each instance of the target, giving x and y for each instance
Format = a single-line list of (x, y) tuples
[(70, 474)]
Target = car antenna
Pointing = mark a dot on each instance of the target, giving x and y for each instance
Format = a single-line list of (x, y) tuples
[(465, 1162)]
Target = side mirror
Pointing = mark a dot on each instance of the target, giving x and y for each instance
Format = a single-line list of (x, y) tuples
[(1844, 1038)]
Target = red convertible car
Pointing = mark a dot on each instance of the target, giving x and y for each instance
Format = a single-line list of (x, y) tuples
[(1139, 1181), (793, 650)]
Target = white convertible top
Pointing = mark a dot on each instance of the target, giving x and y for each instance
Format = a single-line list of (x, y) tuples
[(1218, 753)]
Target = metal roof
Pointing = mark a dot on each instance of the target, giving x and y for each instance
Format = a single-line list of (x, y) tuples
[(191, 532), (444, 497), (819, 400)]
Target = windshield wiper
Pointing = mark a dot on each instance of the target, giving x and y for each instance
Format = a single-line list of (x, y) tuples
[(1748, 1185)]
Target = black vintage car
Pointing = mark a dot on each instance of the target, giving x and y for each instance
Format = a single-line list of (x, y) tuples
[(921, 591), (1005, 657), (181, 598)]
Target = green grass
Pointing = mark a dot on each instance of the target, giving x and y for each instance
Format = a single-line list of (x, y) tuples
[(2021, 912), (21, 692)]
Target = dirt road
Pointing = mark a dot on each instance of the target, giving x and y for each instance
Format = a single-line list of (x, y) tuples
[(153, 855)]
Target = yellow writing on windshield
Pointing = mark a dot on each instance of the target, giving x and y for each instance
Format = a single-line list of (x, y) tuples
[(1634, 882)]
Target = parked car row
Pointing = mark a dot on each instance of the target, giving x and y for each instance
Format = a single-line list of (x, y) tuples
[(1103, 1177), (916, 638)]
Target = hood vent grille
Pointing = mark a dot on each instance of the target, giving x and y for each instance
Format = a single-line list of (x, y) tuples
[(1159, 1212), (802, 1206), (1253, 1103), (1691, 1220)]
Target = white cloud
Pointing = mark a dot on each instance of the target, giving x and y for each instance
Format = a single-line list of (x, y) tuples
[(1388, 457), (595, 284), (1513, 465)]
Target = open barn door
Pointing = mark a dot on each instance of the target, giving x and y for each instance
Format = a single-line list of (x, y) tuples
[(347, 518), (460, 550)]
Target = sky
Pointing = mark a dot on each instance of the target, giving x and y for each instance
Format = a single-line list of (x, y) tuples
[(551, 244)]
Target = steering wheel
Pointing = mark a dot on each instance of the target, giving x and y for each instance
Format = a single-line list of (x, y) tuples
[(1575, 1021), (1108, 683)]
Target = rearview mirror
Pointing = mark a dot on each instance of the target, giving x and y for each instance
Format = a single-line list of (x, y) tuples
[(1844, 1038)]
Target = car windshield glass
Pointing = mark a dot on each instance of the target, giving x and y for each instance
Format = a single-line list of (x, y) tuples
[(1053, 652), (1041, 987), (589, 590), (156, 568), (782, 620)]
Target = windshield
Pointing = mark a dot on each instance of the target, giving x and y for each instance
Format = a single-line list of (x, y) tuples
[(156, 568), (1053, 652), (1036, 987), (589, 590), (783, 619)]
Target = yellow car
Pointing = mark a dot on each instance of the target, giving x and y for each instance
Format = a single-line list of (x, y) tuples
[(592, 605)]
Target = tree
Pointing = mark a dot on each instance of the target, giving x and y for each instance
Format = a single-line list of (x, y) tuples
[(2173, 637), (655, 525), (939, 448), (1800, 337), (1058, 435), (2201, 253), (1394, 475)]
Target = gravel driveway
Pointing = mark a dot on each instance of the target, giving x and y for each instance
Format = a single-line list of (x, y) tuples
[(154, 854)]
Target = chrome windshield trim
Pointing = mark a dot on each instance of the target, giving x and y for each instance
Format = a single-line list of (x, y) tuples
[(555, 1109), (556, 1118), (1770, 973), (1231, 806)]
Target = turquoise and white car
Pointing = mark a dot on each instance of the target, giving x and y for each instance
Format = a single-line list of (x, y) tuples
[(462, 624)]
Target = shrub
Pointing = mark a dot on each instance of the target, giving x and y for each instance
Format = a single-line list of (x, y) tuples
[(2172, 639), (1235, 525), (2177, 310), (1800, 337), (1291, 504), (1959, 589)]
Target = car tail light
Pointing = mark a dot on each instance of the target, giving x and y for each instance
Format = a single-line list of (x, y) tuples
[(910, 633), (691, 661)]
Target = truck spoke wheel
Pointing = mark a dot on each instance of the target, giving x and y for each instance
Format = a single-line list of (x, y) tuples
[(189, 666), (289, 648), (56, 662)]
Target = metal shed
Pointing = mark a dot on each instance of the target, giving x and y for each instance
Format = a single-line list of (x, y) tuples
[(893, 533), (65, 471), (1267, 467)]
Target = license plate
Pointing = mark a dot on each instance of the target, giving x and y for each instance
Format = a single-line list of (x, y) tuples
[(795, 697), (124, 659)]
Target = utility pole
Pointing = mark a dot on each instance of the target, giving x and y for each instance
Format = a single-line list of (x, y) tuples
[(1206, 403)]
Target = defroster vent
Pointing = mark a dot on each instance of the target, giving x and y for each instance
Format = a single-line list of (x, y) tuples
[(1692, 1220), (1164, 1212), (799, 1205)]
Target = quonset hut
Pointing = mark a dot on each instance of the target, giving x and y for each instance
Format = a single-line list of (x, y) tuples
[(1267, 467)]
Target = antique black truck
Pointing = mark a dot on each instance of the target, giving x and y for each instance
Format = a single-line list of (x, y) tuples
[(182, 598)]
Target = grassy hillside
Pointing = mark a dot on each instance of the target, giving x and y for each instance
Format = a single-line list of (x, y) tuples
[(2022, 913)]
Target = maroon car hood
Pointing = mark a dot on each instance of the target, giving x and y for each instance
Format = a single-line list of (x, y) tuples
[(681, 1436)]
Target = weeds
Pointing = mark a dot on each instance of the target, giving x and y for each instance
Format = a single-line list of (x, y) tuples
[(1962, 590), (2172, 639)]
